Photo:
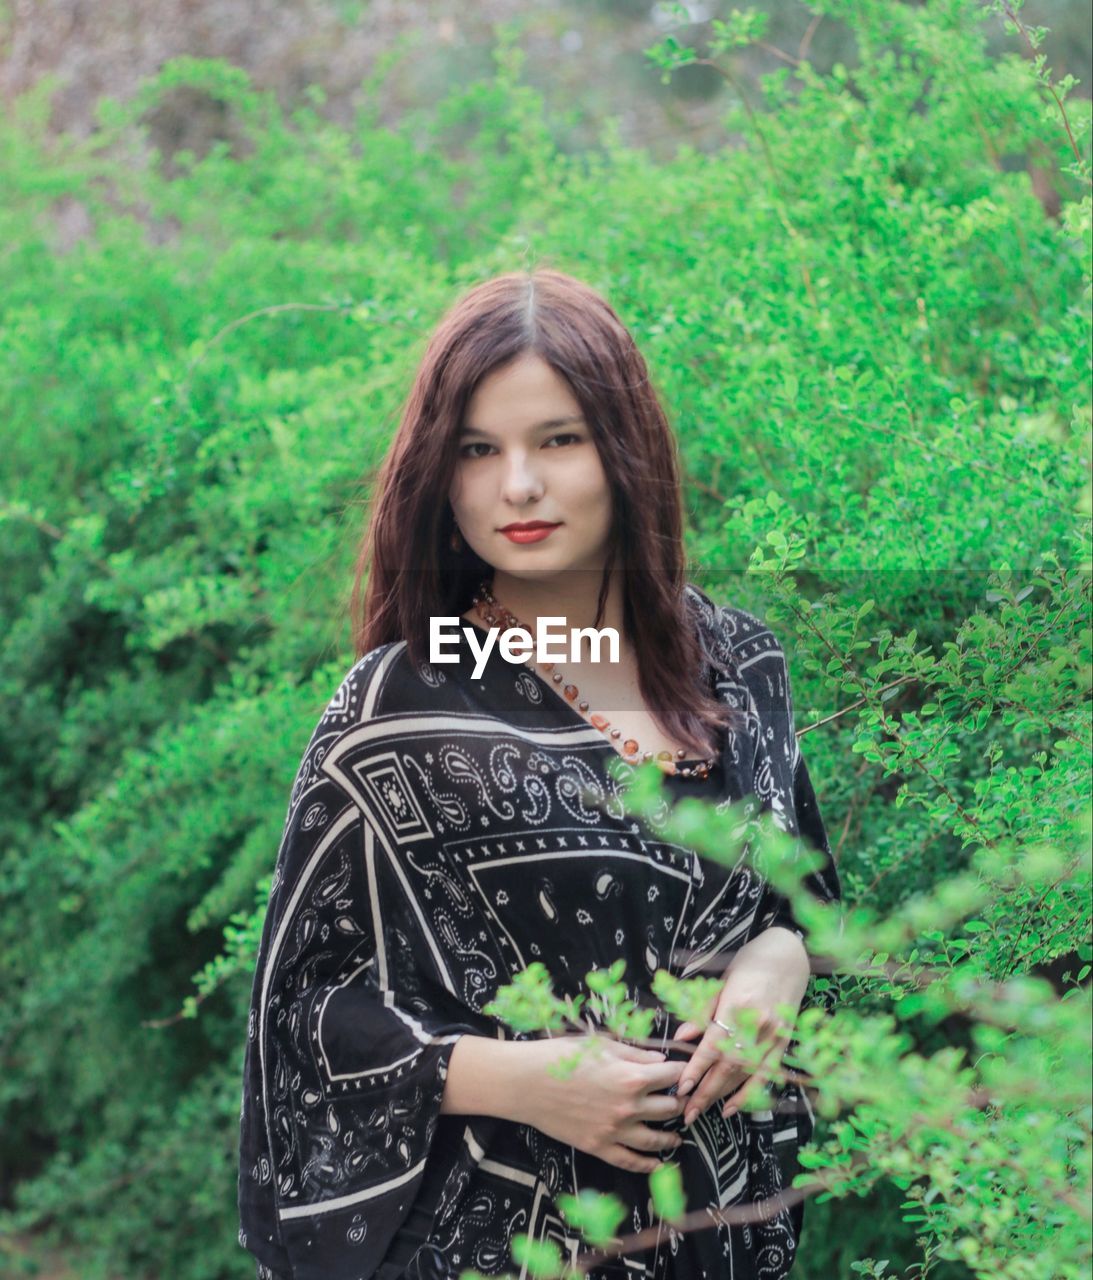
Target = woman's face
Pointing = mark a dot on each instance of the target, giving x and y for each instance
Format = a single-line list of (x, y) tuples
[(526, 454)]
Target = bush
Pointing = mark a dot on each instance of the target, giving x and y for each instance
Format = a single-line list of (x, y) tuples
[(874, 344)]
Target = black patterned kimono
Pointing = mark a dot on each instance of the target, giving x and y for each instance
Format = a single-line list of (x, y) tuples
[(439, 839)]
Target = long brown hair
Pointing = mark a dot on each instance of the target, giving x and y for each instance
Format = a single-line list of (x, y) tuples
[(413, 574)]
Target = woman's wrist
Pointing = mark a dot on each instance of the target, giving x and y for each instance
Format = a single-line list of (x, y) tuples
[(775, 950), (779, 942), (488, 1077)]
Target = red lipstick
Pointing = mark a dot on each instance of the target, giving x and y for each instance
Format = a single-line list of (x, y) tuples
[(531, 531)]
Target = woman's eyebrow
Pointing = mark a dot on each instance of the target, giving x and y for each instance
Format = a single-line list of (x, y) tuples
[(467, 430)]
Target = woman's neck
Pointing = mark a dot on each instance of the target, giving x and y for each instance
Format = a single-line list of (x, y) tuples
[(571, 596)]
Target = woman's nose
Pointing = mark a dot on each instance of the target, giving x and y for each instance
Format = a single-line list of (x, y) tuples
[(521, 481)]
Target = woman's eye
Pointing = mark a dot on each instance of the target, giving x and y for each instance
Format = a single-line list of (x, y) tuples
[(466, 450)]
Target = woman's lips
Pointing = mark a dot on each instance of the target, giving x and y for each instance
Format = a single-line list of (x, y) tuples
[(529, 535)]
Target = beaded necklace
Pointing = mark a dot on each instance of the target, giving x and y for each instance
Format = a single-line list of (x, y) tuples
[(492, 612)]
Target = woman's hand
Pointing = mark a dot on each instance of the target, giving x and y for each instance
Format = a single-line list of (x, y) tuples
[(771, 970), (602, 1106)]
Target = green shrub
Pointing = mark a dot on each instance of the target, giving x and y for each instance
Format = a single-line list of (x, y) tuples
[(874, 345)]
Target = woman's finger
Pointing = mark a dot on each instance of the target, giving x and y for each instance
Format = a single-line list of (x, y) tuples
[(623, 1158), (661, 1075), (756, 1082), (737, 1101), (661, 1106), (722, 1078), (686, 1030), (639, 1137), (633, 1052), (706, 1053), (716, 1084)]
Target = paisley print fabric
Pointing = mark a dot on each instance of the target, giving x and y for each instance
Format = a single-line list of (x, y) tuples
[(442, 834)]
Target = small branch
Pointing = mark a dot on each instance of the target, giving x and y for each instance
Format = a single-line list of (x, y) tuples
[(708, 490), (854, 705), (781, 205), (52, 531), (982, 468), (757, 1211), (806, 39), (1011, 13), (1041, 946), (156, 1023), (1029, 912), (275, 309), (856, 800)]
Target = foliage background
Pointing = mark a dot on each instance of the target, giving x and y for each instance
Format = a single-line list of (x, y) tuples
[(589, 52), (872, 333)]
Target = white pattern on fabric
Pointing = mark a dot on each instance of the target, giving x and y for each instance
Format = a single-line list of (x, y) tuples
[(440, 837)]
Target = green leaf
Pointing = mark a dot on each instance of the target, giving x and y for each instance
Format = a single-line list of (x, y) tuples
[(666, 1185), (597, 1214), (542, 1258)]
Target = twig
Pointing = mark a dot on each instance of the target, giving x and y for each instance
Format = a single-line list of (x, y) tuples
[(52, 531), (757, 1211), (274, 309), (1042, 945), (851, 808), (1031, 911), (806, 39), (175, 1017), (783, 215), (854, 705), (1011, 13)]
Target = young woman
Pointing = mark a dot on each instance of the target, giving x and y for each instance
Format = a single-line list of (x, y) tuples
[(453, 822)]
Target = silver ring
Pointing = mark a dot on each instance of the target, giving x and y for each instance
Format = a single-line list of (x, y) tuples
[(736, 1043)]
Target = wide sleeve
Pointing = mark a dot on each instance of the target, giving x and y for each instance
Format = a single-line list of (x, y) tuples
[(805, 821), (352, 1022), (781, 780)]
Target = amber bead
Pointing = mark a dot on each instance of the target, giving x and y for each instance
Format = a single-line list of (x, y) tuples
[(487, 606)]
